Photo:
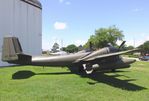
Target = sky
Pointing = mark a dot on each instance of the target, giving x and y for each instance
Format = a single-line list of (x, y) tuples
[(74, 21)]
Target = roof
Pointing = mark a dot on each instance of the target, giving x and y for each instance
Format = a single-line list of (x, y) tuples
[(35, 3)]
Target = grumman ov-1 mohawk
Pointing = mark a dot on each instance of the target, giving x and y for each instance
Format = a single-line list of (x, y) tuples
[(107, 58)]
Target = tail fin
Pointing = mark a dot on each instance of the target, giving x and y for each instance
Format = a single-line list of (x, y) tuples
[(12, 52)]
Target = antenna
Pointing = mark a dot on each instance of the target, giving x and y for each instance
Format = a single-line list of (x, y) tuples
[(62, 44), (134, 42)]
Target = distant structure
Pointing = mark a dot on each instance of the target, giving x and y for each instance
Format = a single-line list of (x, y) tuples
[(23, 19)]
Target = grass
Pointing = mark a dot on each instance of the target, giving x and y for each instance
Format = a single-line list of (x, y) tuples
[(29, 83)]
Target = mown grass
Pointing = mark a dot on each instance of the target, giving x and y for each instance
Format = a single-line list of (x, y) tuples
[(30, 83)]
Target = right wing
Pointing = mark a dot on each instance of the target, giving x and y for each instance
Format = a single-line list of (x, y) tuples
[(106, 56)]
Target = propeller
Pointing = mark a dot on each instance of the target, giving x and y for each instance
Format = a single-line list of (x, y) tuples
[(122, 44), (114, 49)]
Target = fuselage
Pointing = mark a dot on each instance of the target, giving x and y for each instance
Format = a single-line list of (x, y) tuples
[(62, 60), (69, 60)]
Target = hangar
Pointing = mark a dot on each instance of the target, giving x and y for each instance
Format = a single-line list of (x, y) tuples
[(23, 19)]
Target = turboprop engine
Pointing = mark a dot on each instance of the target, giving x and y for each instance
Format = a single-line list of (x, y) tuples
[(115, 63)]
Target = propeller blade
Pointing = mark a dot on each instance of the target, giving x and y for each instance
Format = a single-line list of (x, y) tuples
[(121, 45)]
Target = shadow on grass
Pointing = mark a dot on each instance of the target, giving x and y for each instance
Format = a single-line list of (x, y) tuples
[(98, 77), (10, 66), (23, 75), (27, 74), (111, 80)]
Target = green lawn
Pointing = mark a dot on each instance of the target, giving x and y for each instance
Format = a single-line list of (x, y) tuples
[(29, 83)]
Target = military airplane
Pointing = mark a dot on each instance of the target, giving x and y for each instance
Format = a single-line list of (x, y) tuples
[(107, 58)]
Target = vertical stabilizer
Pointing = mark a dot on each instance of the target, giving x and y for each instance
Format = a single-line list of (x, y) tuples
[(12, 51)]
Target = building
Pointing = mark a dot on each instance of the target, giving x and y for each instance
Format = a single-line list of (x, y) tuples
[(23, 19)]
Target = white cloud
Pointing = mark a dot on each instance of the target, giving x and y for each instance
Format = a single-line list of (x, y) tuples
[(60, 25)]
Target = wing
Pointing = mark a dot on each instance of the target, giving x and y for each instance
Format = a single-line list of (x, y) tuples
[(107, 55)]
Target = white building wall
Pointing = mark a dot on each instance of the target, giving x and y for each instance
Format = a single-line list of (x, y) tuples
[(22, 20)]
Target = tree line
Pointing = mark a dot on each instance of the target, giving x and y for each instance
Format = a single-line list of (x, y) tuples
[(100, 39)]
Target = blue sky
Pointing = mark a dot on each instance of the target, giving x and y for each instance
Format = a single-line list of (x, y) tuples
[(73, 21)]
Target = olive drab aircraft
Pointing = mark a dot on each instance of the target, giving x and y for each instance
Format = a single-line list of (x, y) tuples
[(107, 58)]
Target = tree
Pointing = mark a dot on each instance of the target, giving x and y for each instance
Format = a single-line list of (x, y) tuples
[(145, 48), (130, 47), (71, 48), (124, 48), (103, 36), (55, 47)]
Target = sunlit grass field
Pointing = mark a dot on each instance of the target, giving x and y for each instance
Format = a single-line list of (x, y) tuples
[(31, 83)]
